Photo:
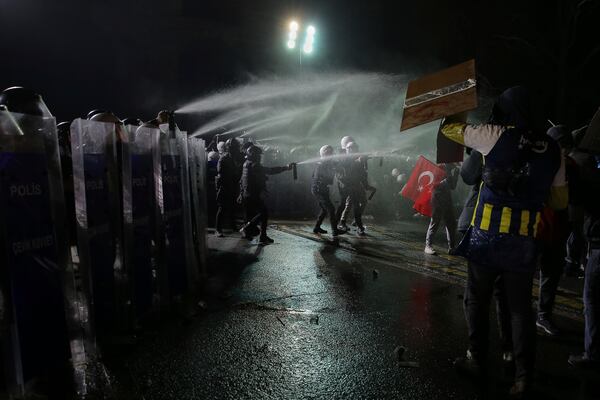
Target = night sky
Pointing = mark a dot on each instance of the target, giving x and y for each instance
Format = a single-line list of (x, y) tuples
[(135, 57)]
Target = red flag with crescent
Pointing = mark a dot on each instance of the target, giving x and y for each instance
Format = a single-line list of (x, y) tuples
[(424, 178)]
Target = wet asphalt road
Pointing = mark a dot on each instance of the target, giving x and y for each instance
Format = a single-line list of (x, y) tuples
[(303, 319)]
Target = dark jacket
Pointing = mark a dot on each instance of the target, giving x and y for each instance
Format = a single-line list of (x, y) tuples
[(254, 178), (591, 204), (322, 177), (226, 179)]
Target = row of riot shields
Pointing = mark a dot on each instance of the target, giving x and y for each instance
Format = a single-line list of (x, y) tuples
[(140, 210)]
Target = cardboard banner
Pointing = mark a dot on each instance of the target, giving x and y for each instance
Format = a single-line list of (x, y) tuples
[(591, 140), (439, 95), (31, 257)]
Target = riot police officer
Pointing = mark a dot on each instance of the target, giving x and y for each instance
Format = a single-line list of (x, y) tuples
[(253, 185), (226, 186), (321, 179), (355, 184)]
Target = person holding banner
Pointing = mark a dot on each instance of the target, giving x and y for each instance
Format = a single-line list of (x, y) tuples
[(523, 170)]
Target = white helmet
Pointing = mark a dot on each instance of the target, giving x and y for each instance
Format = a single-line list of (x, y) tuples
[(400, 178), (213, 156), (221, 147), (345, 141), (395, 172), (326, 151), (351, 148)]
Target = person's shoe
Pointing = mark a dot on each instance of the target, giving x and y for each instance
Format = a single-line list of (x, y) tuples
[(582, 361), (318, 231), (361, 232), (429, 250), (547, 326), (469, 365), (219, 234), (265, 240), (343, 226), (338, 232), (520, 389)]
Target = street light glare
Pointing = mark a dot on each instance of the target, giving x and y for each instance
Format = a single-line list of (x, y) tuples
[(311, 30), (308, 49), (293, 26), (291, 44)]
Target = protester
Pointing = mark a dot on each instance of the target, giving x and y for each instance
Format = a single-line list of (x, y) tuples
[(522, 171), (443, 209), (553, 231)]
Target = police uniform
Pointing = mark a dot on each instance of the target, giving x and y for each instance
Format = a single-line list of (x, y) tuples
[(226, 186), (355, 186), (253, 185), (521, 172), (321, 179)]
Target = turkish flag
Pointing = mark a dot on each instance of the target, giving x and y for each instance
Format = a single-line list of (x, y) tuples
[(424, 178)]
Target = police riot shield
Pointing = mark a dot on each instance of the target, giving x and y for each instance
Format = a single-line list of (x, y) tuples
[(138, 215), (33, 254), (198, 168), (98, 208), (177, 274)]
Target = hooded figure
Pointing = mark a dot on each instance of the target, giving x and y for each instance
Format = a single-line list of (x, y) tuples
[(522, 172)]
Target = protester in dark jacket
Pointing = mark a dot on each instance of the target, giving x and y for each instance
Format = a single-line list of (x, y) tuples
[(522, 171), (443, 209)]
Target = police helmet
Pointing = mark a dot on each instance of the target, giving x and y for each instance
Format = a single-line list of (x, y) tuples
[(132, 121), (213, 156), (94, 112), (24, 101), (345, 141), (253, 153), (395, 172), (326, 151), (233, 144), (351, 148), (105, 116)]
